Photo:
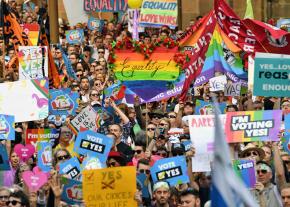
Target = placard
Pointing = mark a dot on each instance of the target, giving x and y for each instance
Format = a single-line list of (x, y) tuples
[(75, 36), (142, 180), (109, 187), (95, 24), (7, 130), (72, 191), (245, 169), (32, 30), (207, 108), (44, 156), (37, 135), (24, 152), (35, 179), (131, 20), (252, 126), (217, 83), (70, 167), (232, 89), (156, 13), (105, 5), (4, 160), (172, 170), (93, 144)]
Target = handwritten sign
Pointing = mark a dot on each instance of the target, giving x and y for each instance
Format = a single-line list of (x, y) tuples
[(44, 156), (71, 168), (4, 160), (232, 89), (251, 126), (217, 83), (75, 36), (173, 170), (95, 24), (245, 169), (94, 144), (110, 187), (105, 5), (132, 66), (37, 135), (72, 191), (7, 130), (156, 13)]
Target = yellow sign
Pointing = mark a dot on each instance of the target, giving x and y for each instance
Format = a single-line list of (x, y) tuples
[(110, 187)]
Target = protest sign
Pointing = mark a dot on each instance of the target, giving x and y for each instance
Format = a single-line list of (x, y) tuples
[(26, 100), (95, 24), (108, 187), (131, 20), (75, 12), (24, 152), (287, 123), (201, 163), (7, 130), (232, 89), (37, 135), (88, 118), (33, 62), (142, 180), (44, 156), (271, 75), (217, 83), (286, 143), (63, 102), (206, 108), (284, 23), (156, 13), (35, 179), (4, 160), (187, 144), (57, 120), (105, 5), (172, 169), (32, 30), (94, 144), (92, 163), (160, 65), (70, 167), (75, 36), (252, 126), (245, 169), (72, 191)]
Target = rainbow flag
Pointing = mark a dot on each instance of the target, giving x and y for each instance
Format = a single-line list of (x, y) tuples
[(245, 169), (222, 56)]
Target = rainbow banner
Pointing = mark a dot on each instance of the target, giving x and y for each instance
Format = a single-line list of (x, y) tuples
[(245, 169), (32, 30), (131, 66), (251, 126)]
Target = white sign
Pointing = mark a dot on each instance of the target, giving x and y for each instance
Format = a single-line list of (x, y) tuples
[(75, 12), (217, 83), (232, 89), (131, 20)]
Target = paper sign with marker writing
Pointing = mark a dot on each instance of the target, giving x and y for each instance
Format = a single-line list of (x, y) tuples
[(245, 169), (252, 126), (172, 170), (4, 161), (72, 191), (37, 135), (217, 83), (232, 89), (7, 131), (70, 167), (109, 187), (94, 144), (44, 156)]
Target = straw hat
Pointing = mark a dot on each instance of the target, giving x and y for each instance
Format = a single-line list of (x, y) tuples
[(251, 147)]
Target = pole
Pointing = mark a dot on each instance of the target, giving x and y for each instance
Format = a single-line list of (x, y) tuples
[(179, 15), (53, 21), (2, 41)]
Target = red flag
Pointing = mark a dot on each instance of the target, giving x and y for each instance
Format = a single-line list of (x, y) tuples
[(197, 58), (119, 94)]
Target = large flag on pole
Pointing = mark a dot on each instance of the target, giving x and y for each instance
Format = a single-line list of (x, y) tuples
[(227, 189), (249, 10)]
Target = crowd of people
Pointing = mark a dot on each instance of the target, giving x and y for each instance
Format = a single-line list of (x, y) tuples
[(143, 131)]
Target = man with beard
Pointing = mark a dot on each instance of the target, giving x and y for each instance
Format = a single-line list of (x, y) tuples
[(161, 194)]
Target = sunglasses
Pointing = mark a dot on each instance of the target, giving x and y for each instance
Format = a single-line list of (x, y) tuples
[(177, 154), (79, 75), (94, 94), (261, 171), (254, 153), (155, 117), (138, 151), (151, 129), (64, 157), (147, 172), (162, 124), (14, 202), (112, 164), (161, 154), (171, 117), (101, 52)]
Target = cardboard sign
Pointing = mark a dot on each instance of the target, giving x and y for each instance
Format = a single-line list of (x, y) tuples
[(4, 160), (26, 100), (109, 187), (206, 108), (88, 118), (95, 24), (72, 191), (75, 36), (172, 169), (70, 167), (284, 23), (245, 169), (232, 89), (34, 179), (44, 156), (32, 30), (217, 83), (271, 75), (131, 20), (38, 135), (33, 62), (94, 144), (63, 102), (24, 152), (7, 130), (252, 126), (156, 13), (105, 5), (131, 65)]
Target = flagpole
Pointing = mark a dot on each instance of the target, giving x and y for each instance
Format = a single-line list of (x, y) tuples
[(53, 21), (2, 70)]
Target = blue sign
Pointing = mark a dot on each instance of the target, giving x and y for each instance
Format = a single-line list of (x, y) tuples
[(4, 161), (63, 102), (95, 24), (93, 144), (7, 130), (70, 167), (172, 170), (75, 36), (287, 124), (271, 76), (72, 191), (206, 108), (284, 23), (187, 144), (44, 156), (141, 179)]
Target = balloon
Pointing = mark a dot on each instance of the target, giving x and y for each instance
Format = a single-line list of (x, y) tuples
[(135, 4)]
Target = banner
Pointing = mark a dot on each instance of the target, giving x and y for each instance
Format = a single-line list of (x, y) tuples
[(109, 187), (252, 126), (26, 100), (72, 191), (105, 5), (93, 144), (75, 36), (284, 23), (33, 62), (95, 24), (271, 75), (217, 83), (173, 170), (63, 102), (7, 130), (156, 13), (131, 20), (245, 169), (32, 30), (70, 167), (206, 108), (4, 160), (44, 156)]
